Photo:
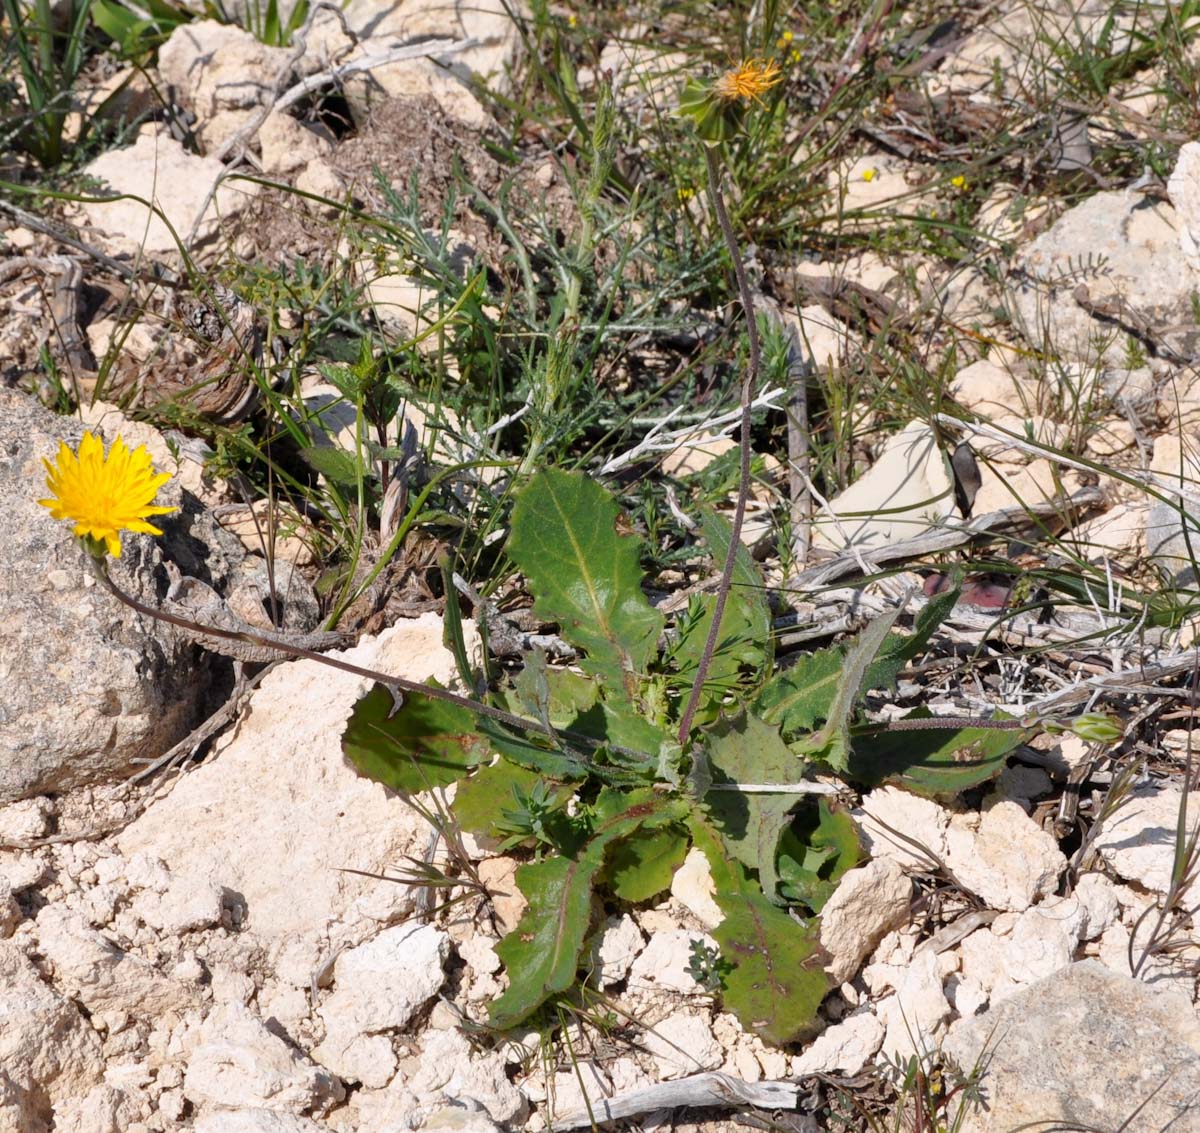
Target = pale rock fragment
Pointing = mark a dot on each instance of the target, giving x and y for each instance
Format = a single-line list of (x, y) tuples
[(905, 493), (616, 948), (695, 453), (868, 902), (103, 1109), (10, 911), (48, 1054), (902, 827), (378, 987), (916, 1016), (990, 388), (103, 977), (25, 819), (1035, 482), (318, 816), (254, 1121), (288, 144), (222, 72), (683, 1044), (1081, 1049), (1098, 895), (22, 870), (450, 1071), (1003, 856), (825, 341), (158, 169), (1044, 939), (1183, 187), (499, 875), (693, 887), (663, 963), (1138, 839), (847, 1046), (187, 904), (238, 1064), (572, 1091)]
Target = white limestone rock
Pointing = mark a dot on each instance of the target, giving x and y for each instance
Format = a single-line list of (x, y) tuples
[(693, 887), (847, 1046), (1003, 856), (907, 491), (663, 963), (99, 974), (1138, 840), (868, 902), (312, 813), (238, 1064), (254, 1121), (683, 1044), (157, 168), (616, 948), (450, 1071), (916, 1016), (48, 1053), (378, 987)]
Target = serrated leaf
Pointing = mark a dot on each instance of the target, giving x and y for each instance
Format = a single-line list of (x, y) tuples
[(817, 849), (585, 575), (424, 743), (644, 864), (898, 649), (799, 698), (542, 953), (832, 742), (534, 751), (777, 977), (480, 799), (748, 586), (336, 465), (933, 762), (744, 749)]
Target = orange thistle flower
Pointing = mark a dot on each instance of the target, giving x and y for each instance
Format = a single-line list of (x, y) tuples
[(748, 81)]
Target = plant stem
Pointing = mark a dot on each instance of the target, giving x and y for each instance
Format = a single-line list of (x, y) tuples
[(749, 384), (280, 643)]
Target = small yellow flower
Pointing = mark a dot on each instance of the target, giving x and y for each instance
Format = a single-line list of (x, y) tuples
[(104, 496), (960, 183), (685, 192), (794, 57), (869, 175), (572, 20), (748, 82), (784, 40)]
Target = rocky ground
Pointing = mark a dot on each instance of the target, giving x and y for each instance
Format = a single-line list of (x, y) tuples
[(233, 944)]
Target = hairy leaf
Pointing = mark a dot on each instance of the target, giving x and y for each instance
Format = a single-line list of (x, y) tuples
[(542, 953), (816, 850), (586, 575), (480, 799), (832, 742), (747, 581), (933, 762), (424, 743), (337, 466), (777, 978), (744, 749), (644, 864), (801, 697)]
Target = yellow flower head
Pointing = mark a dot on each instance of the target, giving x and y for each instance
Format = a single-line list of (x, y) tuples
[(870, 174), (960, 183), (104, 496), (748, 82)]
